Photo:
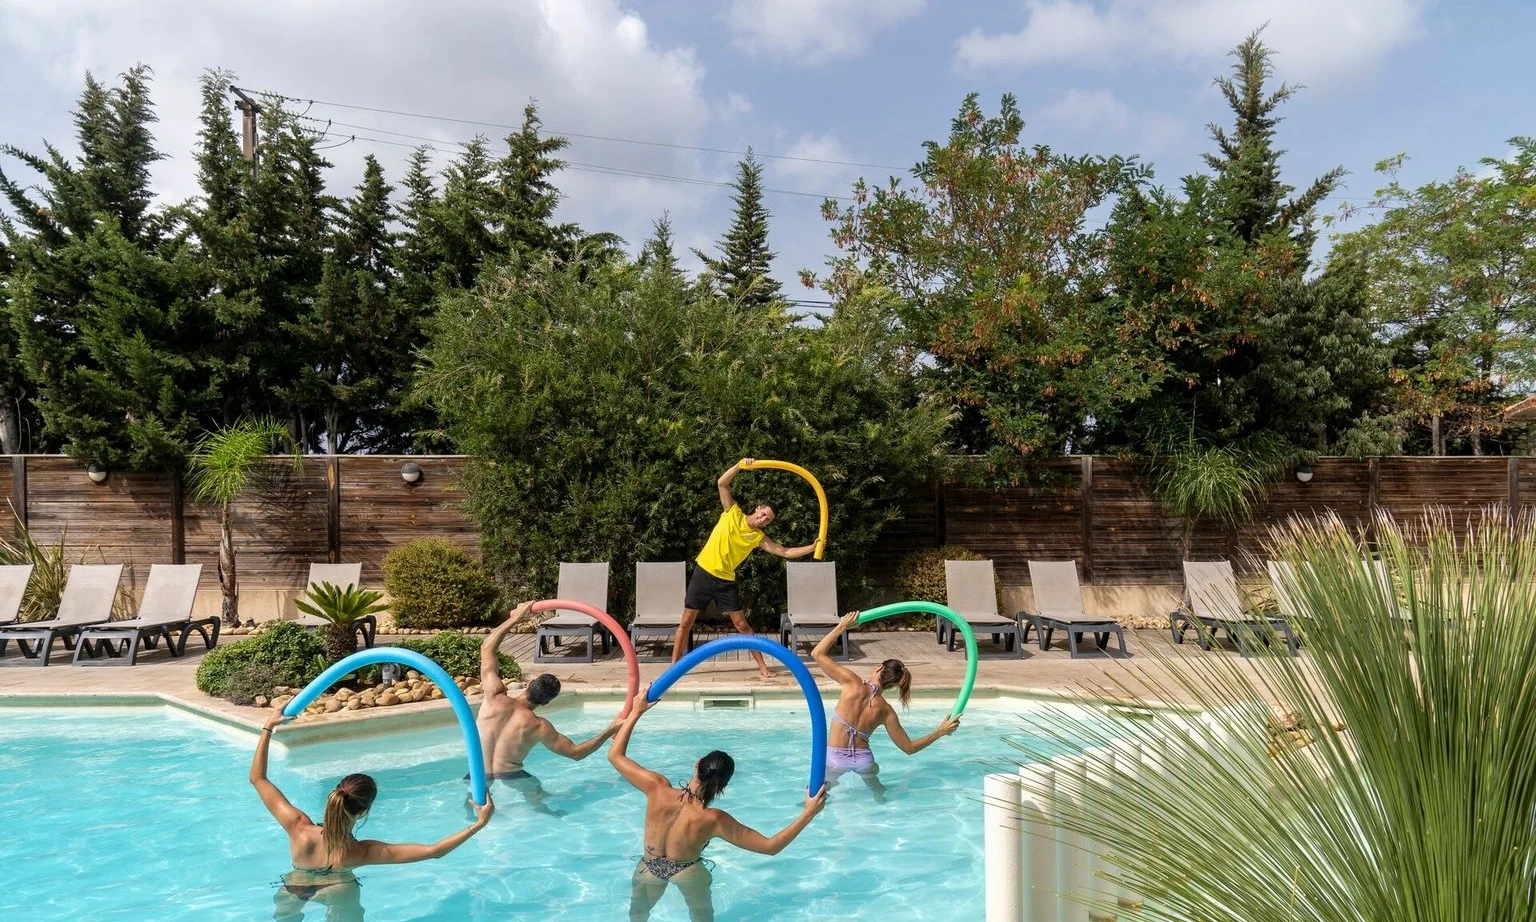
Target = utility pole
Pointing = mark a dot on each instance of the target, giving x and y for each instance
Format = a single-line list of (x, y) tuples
[(248, 112)]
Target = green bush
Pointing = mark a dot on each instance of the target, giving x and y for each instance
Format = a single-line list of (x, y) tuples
[(294, 655), (434, 583), (249, 681), (920, 577)]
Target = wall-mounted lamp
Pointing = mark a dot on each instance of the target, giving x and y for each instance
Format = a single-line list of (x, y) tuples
[(97, 473), (1304, 473), (411, 472)]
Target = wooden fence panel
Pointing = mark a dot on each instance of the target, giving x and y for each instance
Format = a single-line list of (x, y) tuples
[(1134, 540), (380, 511), (1013, 525), (919, 528), (1464, 487), (7, 496), (125, 519), (1339, 485), (278, 531)]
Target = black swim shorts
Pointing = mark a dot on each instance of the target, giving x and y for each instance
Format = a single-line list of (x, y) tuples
[(705, 587)]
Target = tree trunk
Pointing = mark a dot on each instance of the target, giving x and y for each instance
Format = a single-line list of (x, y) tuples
[(10, 429), (227, 581), (1436, 439), (340, 641)]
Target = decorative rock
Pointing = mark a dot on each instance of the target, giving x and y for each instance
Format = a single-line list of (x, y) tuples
[(334, 705), (281, 700), (354, 704), (471, 691), (412, 675), (262, 701), (388, 698), (436, 693), (343, 694)]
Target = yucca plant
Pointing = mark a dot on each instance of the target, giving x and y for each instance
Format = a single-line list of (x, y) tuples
[(50, 570), (1197, 481), (342, 607), (1387, 775), (226, 464)]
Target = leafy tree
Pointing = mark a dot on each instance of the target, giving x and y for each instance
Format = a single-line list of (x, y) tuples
[(226, 464), (1452, 270), (599, 404), (741, 272), (1000, 286), (102, 301)]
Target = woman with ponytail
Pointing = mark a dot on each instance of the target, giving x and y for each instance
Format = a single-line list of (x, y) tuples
[(679, 823), (861, 708), (325, 854)]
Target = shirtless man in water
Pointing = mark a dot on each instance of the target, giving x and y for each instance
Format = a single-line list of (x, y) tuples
[(509, 728), (679, 823)]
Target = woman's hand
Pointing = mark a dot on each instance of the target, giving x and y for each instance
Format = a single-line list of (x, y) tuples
[(814, 804), (950, 725), (275, 719), (484, 812)]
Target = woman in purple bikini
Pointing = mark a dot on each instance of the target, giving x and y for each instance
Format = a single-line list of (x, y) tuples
[(862, 708)]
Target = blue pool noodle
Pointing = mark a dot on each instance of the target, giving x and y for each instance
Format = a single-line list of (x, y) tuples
[(427, 668), (796, 668)]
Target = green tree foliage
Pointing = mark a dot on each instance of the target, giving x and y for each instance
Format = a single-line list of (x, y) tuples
[(101, 304), (1452, 270), (741, 271), (1243, 343), (1000, 284), (599, 404), (20, 422)]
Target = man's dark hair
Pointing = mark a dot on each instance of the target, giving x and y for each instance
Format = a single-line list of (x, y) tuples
[(543, 690)]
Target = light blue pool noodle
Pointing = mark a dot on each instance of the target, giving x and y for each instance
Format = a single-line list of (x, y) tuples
[(972, 655), (422, 665), (796, 668)]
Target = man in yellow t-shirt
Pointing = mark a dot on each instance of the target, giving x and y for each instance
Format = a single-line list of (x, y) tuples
[(735, 536)]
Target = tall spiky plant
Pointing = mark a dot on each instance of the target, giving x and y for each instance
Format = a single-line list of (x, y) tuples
[(225, 464), (1387, 775)]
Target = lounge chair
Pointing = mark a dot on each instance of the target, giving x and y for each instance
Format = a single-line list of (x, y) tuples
[(812, 605), (659, 592), (1215, 603), (971, 590), (341, 575), (1059, 607), (579, 582), (87, 600), (13, 591), (165, 613)]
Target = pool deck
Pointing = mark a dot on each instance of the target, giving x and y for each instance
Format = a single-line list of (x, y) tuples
[(1145, 673)]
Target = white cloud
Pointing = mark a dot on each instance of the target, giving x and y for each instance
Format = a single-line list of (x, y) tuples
[(592, 65), (813, 31), (822, 169), (1101, 115), (1315, 40)]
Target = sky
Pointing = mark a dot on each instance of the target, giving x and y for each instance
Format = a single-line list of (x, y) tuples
[(660, 97)]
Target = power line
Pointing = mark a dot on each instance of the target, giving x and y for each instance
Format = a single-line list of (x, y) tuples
[(596, 168), (576, 134)]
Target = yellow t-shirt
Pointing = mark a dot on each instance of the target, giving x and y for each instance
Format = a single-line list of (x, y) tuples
[(729, 544)]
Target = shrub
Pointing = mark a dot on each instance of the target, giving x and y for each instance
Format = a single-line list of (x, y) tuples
[(294, 655), (459, 654), (341, 608), (920, 577), (434, 583), (249, 681)]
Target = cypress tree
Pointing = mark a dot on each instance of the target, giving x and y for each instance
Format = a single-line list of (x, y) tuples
[(101, 296), (658, 256), (1247, 163), (741, 272)]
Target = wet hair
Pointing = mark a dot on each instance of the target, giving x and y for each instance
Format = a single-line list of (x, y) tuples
[(543, 690), (349, 802), (893, 674), (714, 771)]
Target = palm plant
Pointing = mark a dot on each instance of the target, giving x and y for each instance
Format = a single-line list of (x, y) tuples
[(342, 607), (1195, 480), (225, 464), (1387, 776)]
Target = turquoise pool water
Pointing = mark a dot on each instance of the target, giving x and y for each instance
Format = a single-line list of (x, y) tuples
[(145, 814)]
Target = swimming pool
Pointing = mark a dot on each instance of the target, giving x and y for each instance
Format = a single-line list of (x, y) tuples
[(145, 814)]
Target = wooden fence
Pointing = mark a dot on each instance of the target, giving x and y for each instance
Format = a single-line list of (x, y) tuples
[(1097, 510)]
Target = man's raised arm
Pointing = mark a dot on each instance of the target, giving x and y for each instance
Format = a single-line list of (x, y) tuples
[(490, 667), (724, 483)]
